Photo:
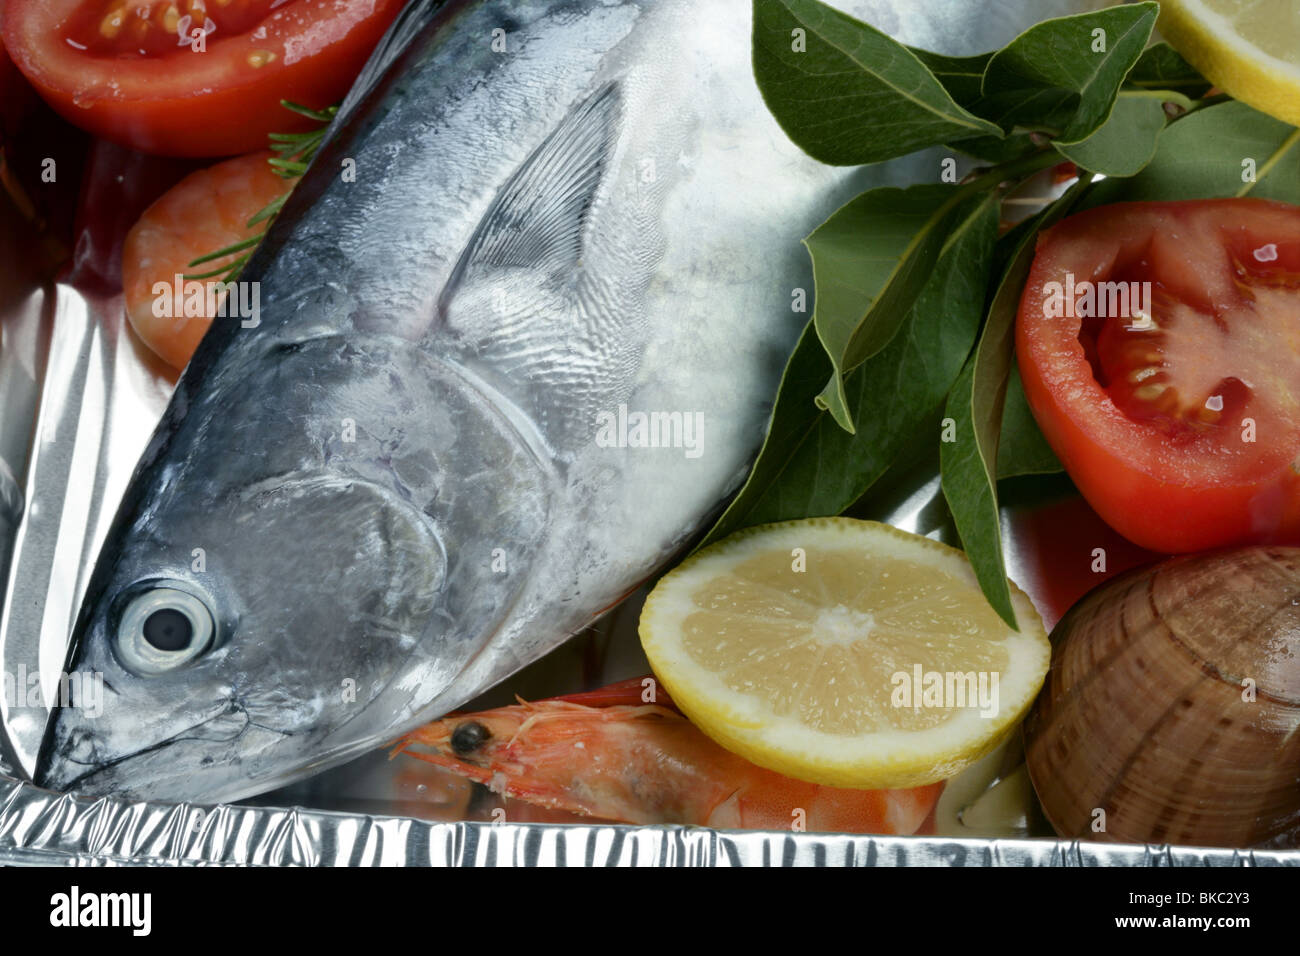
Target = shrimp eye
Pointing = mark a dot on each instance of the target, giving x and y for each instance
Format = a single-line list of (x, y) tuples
[(162, 628), (469, 737)]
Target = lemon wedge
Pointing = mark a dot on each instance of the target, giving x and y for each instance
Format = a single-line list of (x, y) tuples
[(1249, 48), (843, 652)]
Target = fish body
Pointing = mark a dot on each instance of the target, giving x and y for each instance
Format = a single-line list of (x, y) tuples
[(520, 327)]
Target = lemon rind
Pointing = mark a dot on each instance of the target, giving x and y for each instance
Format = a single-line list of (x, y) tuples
[(1210, 42)]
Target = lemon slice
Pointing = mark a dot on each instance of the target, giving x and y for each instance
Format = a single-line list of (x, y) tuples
[(1249, 48), (802, 646)]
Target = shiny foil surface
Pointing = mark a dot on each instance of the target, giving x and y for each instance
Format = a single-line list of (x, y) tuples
[(42, 828)]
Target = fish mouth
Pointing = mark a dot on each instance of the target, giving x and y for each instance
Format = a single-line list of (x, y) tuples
[(65, 774), (163, 770)]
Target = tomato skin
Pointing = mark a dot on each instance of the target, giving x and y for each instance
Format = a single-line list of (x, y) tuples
[(199, 104), (1170, 491)]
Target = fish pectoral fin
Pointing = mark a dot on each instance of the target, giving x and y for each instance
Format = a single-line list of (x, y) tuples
[(536, 221), (537, 313)]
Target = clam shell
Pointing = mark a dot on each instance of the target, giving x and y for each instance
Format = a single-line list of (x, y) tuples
[(1171, 713)]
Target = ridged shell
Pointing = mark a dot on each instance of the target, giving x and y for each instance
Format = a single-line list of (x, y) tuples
[(1173, 705)]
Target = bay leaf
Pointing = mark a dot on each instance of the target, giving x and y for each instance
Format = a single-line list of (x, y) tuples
[(961, 76), (1022, 448), (870, 260), (997, 149), (846, 93), (1126, 141), (1061, 76), (968, 464), (1161, 67), (1219, 151)]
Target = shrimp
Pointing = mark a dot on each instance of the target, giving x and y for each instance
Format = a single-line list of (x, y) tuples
[(606, 754), (206, 211)]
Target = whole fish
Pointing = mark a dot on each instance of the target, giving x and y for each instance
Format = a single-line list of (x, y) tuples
[(520, 326)]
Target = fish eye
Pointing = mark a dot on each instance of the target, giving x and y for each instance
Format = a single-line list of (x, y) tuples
[(163, 628), (469, 737)]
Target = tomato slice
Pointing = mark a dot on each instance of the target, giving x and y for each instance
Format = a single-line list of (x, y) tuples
[(1159, 345), (206, 211), (132, 71)]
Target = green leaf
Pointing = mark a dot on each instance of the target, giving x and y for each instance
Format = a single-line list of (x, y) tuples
[(809, 466), (846, 93), (1209, 153), (1022, 449), (997, 149), (1161, 67), (873, 255), (961, 76), (870, 260), (968, 465), (1054, 77), (1126, 142)]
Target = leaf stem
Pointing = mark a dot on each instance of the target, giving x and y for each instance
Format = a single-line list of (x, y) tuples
[(1287, 145), (1013, 172)]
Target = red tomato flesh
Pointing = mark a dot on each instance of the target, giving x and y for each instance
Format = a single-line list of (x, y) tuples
[(132, 70), (1178, 413)]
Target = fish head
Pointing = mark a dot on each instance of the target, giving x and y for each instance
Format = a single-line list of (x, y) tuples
[(219, 650), (291, 583)]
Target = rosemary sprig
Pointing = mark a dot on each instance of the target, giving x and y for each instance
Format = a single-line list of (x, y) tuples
[(293, 153)]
